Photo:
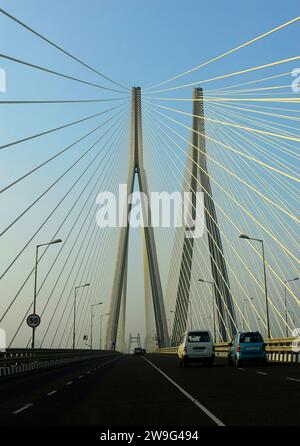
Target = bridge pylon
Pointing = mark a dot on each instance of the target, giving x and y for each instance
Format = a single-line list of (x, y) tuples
[(199, 180), (136, 168)]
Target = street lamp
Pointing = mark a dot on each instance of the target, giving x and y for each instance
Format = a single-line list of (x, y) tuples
[(245, 300), (102, 315), (92, 307), (285, 303), (246, 237), (53, 242), (214, 304), (74, 323)]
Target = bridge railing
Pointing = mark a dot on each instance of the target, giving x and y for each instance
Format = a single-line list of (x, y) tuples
[(15, 361), (278, 350)]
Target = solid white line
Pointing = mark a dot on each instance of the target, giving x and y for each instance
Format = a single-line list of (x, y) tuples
[(51, 393), (22, 409), (69, 383), (293, 379), (190, 397), (261, 373)]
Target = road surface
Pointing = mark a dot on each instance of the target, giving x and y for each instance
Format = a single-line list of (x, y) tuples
[(128, 390)]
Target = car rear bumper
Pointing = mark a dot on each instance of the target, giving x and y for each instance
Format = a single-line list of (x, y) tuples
[(198, 358), (252, 356)]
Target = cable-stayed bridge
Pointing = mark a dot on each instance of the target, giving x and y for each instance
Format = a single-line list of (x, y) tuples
[(88, 256)]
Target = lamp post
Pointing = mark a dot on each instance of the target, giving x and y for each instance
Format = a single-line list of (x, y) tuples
[(53, 242), (102, 315), (285, 304), (74, 322), (246, 237), (245, 300), (214, 304), (92, 315), (170, 337)]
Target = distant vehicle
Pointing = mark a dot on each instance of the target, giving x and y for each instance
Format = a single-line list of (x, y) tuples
[(196, 346), (138, 351), (245, 347)]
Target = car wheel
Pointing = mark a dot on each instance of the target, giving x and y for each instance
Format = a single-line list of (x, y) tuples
[(237, 362)]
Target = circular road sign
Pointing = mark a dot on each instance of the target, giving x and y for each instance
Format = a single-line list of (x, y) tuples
[(33, 320)]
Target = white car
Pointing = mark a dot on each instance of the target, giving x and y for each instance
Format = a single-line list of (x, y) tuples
[(196, 346)]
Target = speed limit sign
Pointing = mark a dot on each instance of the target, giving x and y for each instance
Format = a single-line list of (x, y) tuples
[(33, 320)]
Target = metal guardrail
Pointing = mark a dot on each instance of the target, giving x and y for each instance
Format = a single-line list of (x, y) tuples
[(278, 350), (15, 361)]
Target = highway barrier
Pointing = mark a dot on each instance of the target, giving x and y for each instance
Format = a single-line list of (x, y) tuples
[(17, 361), (278, 350)]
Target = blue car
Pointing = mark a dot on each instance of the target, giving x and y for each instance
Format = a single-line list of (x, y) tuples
[(247, 347)]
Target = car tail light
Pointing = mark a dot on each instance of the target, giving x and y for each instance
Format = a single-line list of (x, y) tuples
[(238, 349)]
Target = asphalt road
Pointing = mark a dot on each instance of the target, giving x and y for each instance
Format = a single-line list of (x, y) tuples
[(126, 390)]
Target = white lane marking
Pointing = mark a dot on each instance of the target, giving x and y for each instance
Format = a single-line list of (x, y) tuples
[(88, 372), (293, 379), (79, 377), (69, 383), (190, 397), (261, 373), (240, 368), (22, 409), (51, 393)]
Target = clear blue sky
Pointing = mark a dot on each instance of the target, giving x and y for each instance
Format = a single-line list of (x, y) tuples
[(135, 42)]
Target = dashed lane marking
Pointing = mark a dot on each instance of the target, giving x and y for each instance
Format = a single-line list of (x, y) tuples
[(22, 409), (51, 393), (293, 379), (190, 397)]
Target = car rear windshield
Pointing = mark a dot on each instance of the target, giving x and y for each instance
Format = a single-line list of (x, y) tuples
[(250, 337), (198, 336)]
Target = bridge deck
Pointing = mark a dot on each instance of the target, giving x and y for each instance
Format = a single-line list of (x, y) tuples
[(129, 391)]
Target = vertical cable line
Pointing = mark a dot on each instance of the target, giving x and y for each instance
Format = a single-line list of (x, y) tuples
[(76, 278), (84, 276), (27, 174), (237, 202), (51, 186), (48, 217), (176, 249), (224, 235), (95, 260), (279, 219), (76, 239), (171, 159), (29, 275), (274, 307), (257, 252), (60, 48), (107, 171), (284, 183), (222, 297)]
